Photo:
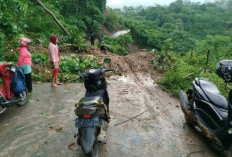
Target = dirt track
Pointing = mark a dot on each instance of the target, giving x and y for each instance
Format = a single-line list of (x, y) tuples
[(45, 126)]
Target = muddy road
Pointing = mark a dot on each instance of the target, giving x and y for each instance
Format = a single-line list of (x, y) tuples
[(45, 126)]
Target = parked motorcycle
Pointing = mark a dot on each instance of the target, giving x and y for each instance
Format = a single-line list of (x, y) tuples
[(92, 111), (208, 111), (13, 90)]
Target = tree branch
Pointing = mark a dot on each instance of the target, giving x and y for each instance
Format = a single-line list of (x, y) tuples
[(131, 118), (53, 16)]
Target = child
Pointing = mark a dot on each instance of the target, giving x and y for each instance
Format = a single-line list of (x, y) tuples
[(54, 59), (24, 62)]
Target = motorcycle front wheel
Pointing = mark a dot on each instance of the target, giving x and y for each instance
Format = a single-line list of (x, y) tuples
[(24, 98)]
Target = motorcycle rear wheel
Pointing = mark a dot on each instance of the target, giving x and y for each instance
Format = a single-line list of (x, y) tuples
[(24, 99), (95, 151)]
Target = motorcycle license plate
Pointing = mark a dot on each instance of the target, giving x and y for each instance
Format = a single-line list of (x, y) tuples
[(87, 122)]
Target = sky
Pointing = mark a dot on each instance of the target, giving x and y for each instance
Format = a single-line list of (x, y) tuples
[(121, 3)]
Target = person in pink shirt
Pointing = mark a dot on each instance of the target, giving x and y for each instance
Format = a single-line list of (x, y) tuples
[(54, 59), (24, 62)]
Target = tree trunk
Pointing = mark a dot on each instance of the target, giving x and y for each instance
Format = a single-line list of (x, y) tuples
[(53, 16)]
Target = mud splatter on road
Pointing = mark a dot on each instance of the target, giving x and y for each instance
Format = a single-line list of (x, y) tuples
[(161, 131), (45, 126)]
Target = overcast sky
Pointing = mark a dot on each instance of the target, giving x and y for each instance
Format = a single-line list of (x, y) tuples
[(121, 3)]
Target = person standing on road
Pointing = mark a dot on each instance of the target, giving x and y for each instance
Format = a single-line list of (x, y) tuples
[(24, 62), (55, 59)]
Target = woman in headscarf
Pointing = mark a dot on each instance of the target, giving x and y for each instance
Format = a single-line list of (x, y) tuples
[(54, 59), (24, 62)]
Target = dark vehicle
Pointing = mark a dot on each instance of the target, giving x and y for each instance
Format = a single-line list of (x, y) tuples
[(13, 89), (92, 111), (208, 111)]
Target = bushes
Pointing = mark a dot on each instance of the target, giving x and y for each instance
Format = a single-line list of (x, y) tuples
[(180, 77), (119, 50), (27, 17), (117, 45), (185, 68), (70, 67), (164, 61), (41, 59), (10, 56), (182, 68), (75, 37)]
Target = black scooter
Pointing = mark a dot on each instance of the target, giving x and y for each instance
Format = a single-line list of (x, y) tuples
[(208, 111), (92, 111)]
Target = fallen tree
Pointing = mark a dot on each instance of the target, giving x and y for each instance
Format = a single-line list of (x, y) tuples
[(53, 16)]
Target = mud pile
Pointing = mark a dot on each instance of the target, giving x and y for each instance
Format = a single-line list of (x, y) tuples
[(137, 62)]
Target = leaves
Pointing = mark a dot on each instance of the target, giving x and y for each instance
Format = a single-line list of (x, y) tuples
[(26, 17), (70, 67), (117, 45)]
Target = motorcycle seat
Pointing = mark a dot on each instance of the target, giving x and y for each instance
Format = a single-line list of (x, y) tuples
[(213, 94), (90, 100)]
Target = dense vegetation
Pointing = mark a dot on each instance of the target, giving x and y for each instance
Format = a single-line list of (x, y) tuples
[(182, 34), (28, 18)]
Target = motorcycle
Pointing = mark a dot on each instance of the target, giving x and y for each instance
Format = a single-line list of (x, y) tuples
[(208, 111), (13, 90), (92, 111)]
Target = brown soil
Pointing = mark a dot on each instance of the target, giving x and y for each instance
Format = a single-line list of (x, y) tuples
[(136, 62), (132, 48)]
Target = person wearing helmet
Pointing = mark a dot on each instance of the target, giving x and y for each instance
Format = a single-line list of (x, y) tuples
[(54, 54), (24, 62)]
